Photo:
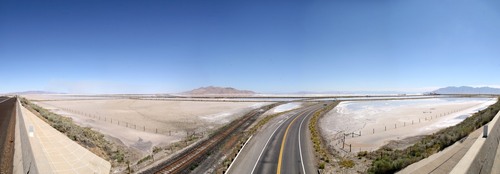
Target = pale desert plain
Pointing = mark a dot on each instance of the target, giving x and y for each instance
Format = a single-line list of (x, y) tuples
[(144, 124), (352, 126), (368, 125)]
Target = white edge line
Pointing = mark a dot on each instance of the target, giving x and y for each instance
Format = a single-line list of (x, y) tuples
[(4, 100), (265, 146), (230, 165), (300, 147)]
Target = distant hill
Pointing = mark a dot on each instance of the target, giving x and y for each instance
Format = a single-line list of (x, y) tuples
[(217, 90), (467, 90), (351, 92)]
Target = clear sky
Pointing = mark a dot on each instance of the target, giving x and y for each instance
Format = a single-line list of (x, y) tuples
[(120, 46)]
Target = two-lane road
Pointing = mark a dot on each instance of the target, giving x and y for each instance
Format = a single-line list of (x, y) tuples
[(283, 146)]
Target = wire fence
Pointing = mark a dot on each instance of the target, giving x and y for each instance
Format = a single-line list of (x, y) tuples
[(341, 139), (131, 124)]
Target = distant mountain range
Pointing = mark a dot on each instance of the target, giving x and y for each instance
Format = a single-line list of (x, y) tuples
[(350, 92), (214, 90), (467, 90), (210, 90)]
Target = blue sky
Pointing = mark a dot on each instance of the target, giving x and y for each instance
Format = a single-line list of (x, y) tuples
[(280, 46)]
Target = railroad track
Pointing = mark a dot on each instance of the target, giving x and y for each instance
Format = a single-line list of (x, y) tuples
[(182, 162)]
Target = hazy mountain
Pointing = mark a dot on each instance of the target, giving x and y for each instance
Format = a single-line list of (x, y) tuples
[(217, 90), (351, 92), (467, 90)]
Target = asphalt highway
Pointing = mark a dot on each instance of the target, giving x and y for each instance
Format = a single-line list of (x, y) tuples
[(283, 146), (7, 128)]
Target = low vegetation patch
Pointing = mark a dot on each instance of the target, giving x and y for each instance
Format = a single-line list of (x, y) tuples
[(387, 160), (145, 159), (156, 149), (347, 163), (362, 154), (262, 123), (85, 136), (319, 147)]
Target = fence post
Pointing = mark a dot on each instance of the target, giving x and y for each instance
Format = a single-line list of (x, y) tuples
[(343, 142), (485, 131)]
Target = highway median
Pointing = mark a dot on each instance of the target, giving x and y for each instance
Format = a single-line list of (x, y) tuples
[(320, 150)]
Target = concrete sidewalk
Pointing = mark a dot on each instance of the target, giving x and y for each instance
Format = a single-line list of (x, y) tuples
[(56, 153)]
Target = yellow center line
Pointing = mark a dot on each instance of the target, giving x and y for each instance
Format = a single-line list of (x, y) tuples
[(278, 170)]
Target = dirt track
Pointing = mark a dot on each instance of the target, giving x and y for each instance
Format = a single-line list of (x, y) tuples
[(7, 128)]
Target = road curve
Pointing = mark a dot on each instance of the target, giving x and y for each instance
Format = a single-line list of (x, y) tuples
[(282, 147)]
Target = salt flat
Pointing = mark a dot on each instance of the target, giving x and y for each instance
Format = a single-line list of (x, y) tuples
[(142, 124), (287, 107), (368, 125)]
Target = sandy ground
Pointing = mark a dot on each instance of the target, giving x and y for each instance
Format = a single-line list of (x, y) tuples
[(143, 124), (368, 125)]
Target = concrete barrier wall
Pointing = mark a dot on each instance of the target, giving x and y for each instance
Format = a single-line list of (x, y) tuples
[(481, 155), (483, 162), (28, 158)]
